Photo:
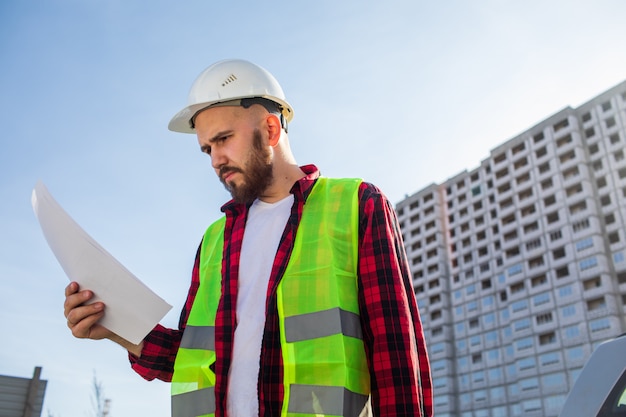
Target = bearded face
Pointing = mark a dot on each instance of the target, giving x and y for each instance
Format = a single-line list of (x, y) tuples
[(257, 173)]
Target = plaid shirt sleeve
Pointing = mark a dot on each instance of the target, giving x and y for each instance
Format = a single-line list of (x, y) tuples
[(161, 344), (394, 338)]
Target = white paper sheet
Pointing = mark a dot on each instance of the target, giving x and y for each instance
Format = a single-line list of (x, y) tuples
[(132, 309)]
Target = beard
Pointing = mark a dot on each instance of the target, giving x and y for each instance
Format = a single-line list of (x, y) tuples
[(258, 173)]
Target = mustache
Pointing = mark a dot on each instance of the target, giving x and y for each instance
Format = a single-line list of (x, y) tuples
[(226, 169)]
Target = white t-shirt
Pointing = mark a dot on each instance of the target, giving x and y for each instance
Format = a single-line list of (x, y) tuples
[(264, 228)]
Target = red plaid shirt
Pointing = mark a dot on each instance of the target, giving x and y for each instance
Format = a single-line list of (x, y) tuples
[(392, 330)]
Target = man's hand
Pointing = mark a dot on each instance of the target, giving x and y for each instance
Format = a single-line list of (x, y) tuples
[(82, 319)]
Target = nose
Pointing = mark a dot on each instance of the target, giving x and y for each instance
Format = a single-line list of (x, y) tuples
[(218, 159)]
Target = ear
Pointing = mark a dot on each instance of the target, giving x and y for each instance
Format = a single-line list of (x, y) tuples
[(273, 129)]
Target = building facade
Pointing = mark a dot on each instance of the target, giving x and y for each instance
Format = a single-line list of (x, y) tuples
[(519, 266)]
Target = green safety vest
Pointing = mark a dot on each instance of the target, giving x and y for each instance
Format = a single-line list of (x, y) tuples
[(325, 368)]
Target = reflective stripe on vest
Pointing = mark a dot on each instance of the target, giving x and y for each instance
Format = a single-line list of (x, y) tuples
[(194, 403), (198, 337), (316, 400), (321, 324), (325, 368)]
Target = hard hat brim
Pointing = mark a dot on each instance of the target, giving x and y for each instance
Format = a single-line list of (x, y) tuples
[(181, 122)]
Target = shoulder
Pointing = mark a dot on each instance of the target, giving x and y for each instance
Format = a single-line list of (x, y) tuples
[(375, 209), (214, 232), (370, 196), (367, 190), (217, 225)]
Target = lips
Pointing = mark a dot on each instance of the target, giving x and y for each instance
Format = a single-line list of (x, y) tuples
[(227, 172)]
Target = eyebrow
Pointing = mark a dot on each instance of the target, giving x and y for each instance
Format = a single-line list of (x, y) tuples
[(214, 138)]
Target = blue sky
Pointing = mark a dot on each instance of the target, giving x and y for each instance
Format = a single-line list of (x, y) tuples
[(401, 93)]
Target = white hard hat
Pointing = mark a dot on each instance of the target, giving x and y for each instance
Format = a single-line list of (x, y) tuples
[(226, 81)]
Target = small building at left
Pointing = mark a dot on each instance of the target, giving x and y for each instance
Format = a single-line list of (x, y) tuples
[(22, 397)]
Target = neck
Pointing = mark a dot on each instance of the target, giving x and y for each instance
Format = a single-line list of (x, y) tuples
[(284, 179)]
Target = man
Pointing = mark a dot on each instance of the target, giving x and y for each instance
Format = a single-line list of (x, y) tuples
[(301, 300)]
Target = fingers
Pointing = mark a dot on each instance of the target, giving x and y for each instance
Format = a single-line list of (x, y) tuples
[(82, 321), (81, 317), (74, 297), (71, 288)]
